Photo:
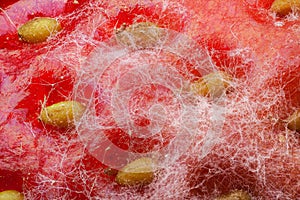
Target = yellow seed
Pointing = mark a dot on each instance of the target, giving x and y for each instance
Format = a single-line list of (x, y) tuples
[(38, 29), (138, 172), (284, 7), (293, 122), (11, 195), (139, 35), (214, 84), (235, 195), (62, 114)]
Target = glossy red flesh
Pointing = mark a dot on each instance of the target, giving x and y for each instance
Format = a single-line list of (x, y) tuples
[(221, 26)]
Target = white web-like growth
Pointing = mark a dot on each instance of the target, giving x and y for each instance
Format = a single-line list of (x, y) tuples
[(230, 143), (116, 73)]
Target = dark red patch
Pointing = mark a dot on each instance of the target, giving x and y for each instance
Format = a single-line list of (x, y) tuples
[(11, 180)]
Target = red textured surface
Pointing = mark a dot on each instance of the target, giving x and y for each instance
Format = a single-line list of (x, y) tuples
[(242, 37)]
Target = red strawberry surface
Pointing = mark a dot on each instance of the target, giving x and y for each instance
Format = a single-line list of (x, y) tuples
[(139, 103)]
